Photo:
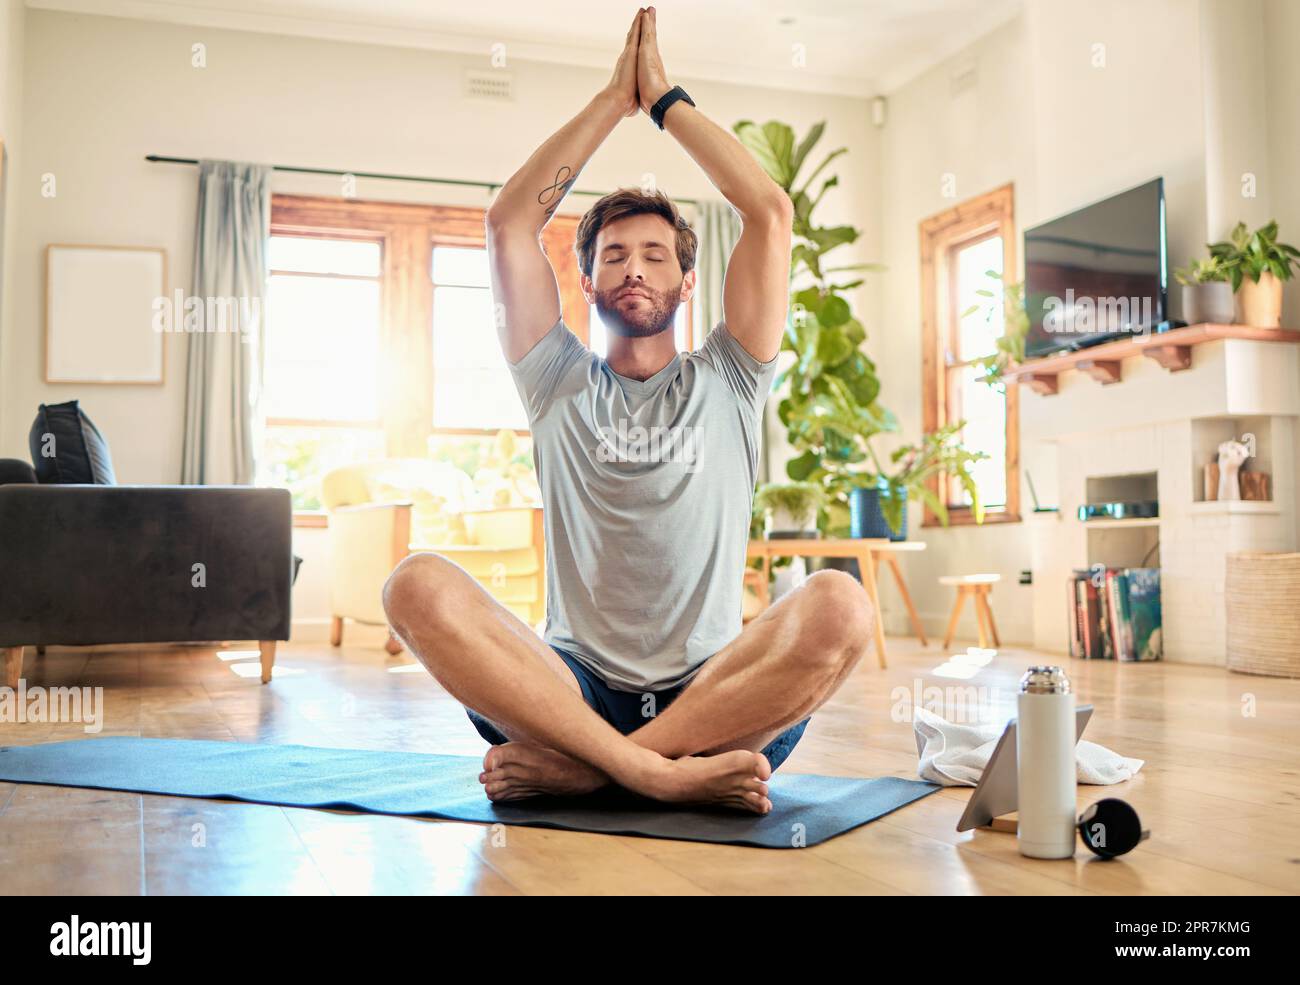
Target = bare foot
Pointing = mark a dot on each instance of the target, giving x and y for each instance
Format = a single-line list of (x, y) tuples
[(514, 770), (730, 779)]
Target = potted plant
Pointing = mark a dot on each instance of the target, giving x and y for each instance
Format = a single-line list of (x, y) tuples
[(758, 530), (831, 413), (880, 510), (790, 508), (1207, 293), (1257, 264)]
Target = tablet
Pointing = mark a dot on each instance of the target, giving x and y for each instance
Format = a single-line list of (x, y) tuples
[(996, 794)]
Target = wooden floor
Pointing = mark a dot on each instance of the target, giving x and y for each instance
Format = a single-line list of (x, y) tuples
[(1220, 790)]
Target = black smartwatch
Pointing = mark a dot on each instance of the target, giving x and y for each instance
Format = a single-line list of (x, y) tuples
[(667, 99)]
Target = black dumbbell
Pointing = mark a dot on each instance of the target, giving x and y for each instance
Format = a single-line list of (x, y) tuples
[(1110, 827)]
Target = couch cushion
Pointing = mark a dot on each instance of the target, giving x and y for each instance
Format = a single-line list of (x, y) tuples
[(68, 449), (14, 470)]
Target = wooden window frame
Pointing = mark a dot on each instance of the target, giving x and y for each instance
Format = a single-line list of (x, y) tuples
[(940, 236), (407, 234)]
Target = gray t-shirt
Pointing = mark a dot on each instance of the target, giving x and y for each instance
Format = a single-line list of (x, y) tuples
[(647, 487)]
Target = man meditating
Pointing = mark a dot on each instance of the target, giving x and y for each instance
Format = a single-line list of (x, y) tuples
[(647, 461)]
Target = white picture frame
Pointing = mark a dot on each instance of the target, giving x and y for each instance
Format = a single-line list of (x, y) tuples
[(99, 314)]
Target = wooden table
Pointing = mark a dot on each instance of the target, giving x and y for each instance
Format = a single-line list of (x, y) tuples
[(888, 550), (860, 549)]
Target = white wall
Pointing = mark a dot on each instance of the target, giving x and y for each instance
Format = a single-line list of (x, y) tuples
[(1252, 104), (1099, 130), (1236, 113), (101, 93), (1281, 39), (12, 24)]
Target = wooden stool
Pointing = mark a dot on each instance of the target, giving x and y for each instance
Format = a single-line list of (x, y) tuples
[(978, 588), (888, 552)]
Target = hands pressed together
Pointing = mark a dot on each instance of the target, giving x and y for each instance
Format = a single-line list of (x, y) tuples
[(639, 77)]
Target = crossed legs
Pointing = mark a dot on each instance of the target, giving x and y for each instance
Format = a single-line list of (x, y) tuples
[(703, 748)]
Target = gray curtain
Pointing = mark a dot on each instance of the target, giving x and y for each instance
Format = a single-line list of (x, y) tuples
[(718, 227), (226, 339)]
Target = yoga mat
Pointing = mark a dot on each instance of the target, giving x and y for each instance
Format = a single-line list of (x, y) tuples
[(806, 809)]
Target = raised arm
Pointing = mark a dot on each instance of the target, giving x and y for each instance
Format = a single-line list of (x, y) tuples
[(526, 295), (756, 290)]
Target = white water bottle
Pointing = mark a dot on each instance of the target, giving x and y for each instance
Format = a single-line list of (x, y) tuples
[(1045, 764)]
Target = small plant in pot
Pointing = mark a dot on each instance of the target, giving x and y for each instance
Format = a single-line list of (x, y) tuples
[(1207, 292), (791, 508), (1257, 264), (880, 509)]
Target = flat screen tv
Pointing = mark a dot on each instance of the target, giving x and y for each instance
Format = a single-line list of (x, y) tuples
[(1097, 274)]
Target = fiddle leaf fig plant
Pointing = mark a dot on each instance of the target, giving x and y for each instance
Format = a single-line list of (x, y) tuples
[(832, 412)]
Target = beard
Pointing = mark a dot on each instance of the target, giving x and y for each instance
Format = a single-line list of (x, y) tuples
[(638, 319)]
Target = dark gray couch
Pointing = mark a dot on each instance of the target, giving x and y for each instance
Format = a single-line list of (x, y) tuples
[(93, 564)]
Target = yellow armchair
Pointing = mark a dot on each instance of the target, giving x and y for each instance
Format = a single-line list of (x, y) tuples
[(380, 512)]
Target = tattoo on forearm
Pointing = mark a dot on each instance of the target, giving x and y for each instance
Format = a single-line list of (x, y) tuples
[(552, 195)]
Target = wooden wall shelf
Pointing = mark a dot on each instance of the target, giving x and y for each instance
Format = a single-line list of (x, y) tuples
[(1171, 350)]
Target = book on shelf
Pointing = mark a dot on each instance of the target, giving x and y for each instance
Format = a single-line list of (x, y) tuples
[(1114, 614)]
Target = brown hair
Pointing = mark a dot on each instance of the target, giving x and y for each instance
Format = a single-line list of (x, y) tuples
[(626, 202)]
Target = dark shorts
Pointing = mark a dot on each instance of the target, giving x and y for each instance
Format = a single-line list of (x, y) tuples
[(623, 710)]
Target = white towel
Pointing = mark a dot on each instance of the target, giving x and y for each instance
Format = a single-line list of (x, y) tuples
[(955, 755)]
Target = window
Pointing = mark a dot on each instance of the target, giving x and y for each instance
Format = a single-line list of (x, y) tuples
[(958, 250), (320, 395), (471, 386), (381, 342)]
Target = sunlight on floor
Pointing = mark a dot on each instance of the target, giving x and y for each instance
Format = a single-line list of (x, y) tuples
[(254, 669), (965, 665)]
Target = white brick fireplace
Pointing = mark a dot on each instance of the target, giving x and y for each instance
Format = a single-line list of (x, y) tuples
[(1147, 436)]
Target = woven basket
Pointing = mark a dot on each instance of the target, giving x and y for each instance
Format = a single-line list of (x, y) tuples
[(1263, 601)]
